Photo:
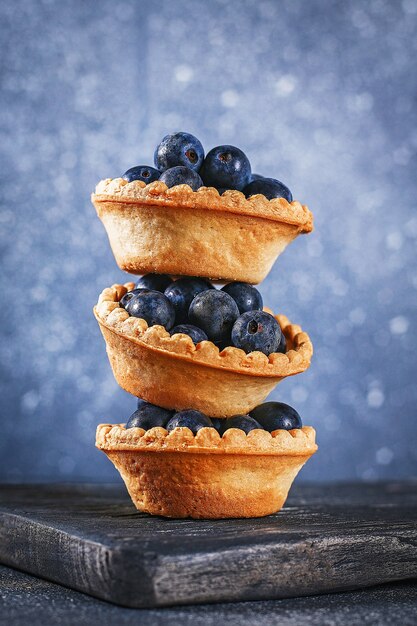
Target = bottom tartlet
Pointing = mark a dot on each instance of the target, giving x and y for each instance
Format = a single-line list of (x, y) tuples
[(178, 474)]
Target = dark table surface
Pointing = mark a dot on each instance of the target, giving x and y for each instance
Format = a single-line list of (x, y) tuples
[(25, 599), (386, 512), (328, 538)]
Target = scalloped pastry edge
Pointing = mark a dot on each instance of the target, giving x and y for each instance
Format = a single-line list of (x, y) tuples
[(301, 441), (157, 193), (297, 359)]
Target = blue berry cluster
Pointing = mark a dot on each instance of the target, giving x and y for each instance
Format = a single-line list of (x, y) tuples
[(229, 316), (179, 159), (269, 416)]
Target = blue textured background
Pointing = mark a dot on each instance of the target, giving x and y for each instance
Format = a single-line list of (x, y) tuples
[(321, 94)]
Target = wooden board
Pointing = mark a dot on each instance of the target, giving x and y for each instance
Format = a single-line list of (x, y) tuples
[(328, 538), (25, 600)]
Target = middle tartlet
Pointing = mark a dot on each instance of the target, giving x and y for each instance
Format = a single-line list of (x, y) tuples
[(171, 372)]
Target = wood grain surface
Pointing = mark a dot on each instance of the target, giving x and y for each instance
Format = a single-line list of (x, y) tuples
[(25, 600), (327, 538)]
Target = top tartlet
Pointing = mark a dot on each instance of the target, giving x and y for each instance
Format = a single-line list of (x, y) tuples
[(178, 231)]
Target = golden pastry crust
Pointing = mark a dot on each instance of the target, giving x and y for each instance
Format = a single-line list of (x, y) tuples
[(179, 474), (183, 232), (231, 201), (174, 373), (299, 441)]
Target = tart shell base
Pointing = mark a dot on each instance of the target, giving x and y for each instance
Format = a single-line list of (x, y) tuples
[(180, 475), (204, 486), (183, 232), (180, 242), (162, 379)]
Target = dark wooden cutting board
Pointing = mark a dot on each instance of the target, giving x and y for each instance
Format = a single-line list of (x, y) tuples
[(327, 538)]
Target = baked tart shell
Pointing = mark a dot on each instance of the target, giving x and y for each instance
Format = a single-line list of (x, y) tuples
[(174, 373), (179, 474), (182, 232)]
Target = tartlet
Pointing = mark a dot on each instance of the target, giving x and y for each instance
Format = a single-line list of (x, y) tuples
[(171, 372), (179, 474), (183, 232)]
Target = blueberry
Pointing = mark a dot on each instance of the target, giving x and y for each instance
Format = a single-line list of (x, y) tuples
[(182, 292), (226, 167), (194, 420), (246, 297), (181, 175), (215, 312), (282, 344), (153, 307), (256, 330), (277, 415), (142, 172), (243, 422), (218, 424), (149, 415), (269, 187), (179, 149), (128, 296), (225, 343), (195, 333), (155, 282), (256, 177)]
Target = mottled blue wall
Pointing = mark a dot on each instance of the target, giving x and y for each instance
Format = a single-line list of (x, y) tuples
[(321, 94)]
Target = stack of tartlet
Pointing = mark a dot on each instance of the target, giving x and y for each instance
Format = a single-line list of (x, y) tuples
[(166, 227)]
